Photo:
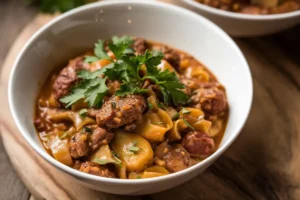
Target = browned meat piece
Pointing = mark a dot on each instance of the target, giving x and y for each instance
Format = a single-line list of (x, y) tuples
[(77, 164), (79, 145), (162, 150), (100, 137), (92, 112), (130, 127), (96, 169), (140, 45), (67, 77), (118, 111), (39, 125), (198, 144), (170, 55), (113, 86), (177, 159), (212, 100)]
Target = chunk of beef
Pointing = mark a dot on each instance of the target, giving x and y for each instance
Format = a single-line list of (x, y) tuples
[(198, 144), (140, 45), (99, 137), (118, 111), (170, 55), (161, 150), (211, 99), (67, 77), (77, 164), (79, 145), (177, 159), (96, 169), (130, 127)]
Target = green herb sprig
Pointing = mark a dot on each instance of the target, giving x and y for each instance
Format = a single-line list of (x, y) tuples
[(125, 68)]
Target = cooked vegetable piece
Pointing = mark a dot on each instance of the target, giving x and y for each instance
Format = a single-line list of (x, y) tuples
[(154, 125), (154, 171), (134, 161), (60, 151)]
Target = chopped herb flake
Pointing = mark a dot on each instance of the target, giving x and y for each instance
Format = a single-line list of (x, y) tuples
[(176, 116), (87, 129), (185, 111), (188, 124), (150, 105), (83, 112)]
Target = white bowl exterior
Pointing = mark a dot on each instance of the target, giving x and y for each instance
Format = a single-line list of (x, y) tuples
[(76, 31), (242, 25)]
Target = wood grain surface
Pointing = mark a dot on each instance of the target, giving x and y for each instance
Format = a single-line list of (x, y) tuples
[(14, 15), (263, 163)]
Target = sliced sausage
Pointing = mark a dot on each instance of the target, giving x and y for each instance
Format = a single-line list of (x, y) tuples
[(67, 77), (96, 169), (177, 159), (198, 144), (118, 111), (212, 100)]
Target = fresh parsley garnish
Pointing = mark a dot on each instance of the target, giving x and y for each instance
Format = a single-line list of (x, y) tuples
[(150, 105), (126, 69), (188, 124), (133, 148), (138, 177), (162, 106), (185, 111), (82, 112), (87, 129), (176, 116)]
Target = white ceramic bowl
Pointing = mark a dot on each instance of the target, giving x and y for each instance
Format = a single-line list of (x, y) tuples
[(77, 30), (244, 25)]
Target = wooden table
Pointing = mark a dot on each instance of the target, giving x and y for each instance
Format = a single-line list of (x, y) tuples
[(263, 163)]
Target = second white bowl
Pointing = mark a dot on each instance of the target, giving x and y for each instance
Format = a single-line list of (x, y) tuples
[(243, 25)]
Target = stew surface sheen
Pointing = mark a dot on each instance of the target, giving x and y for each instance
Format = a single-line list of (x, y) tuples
[(137, 135)]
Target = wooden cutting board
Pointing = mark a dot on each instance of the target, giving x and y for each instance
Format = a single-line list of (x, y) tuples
[(263, 163)]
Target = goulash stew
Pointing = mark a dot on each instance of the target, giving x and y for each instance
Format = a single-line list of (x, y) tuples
[(254, 7), (131, 109)]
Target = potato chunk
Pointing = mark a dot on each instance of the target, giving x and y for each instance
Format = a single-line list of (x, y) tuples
[(133, 149)]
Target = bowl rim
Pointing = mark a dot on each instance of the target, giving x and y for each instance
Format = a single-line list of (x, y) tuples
[(82, 175), (234, 15)]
